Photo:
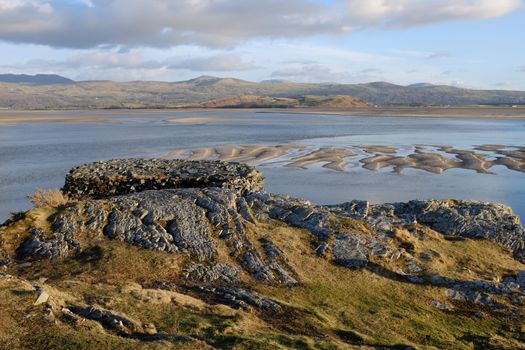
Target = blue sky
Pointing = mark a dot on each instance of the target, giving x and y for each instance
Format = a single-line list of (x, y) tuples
[(467, 43)]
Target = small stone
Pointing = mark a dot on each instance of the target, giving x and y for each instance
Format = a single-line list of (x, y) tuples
[(42, 297), (150, 329), (321, 249), (425, 256), (4, 263), (442, 306), (414, 267)]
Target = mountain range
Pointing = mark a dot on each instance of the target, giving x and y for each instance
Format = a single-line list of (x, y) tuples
[(53, 91), (40, 79)]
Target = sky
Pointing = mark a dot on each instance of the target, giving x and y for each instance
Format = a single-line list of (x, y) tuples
[(465, 43)]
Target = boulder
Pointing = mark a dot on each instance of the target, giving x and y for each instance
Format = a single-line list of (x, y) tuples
[(350, 251), (122, 176)]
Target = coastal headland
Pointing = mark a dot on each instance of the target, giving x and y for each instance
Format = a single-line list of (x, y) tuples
[(174, 254)]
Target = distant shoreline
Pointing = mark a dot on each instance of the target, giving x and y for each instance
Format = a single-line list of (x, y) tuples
[(418, 112), (11, 117)]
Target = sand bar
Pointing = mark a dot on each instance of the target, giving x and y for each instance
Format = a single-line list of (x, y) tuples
[(9, 116), (423, 157)]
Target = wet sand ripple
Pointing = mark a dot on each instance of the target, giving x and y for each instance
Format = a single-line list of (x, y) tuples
[(431, 158)]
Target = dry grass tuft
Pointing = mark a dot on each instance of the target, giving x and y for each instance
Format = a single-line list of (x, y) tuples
[(53, 198)]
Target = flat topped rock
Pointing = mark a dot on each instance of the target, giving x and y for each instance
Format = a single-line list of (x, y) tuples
[(122, 176)]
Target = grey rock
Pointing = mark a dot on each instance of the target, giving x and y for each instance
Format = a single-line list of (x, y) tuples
[(355, 209), (218, 273), (192, 208), (467, 219), (108, 319), (294, 212), (442, 306), (239, 298), (4, 263), (321, 249), (278, 263), (254, 264), (425, 256), (414, 267), (520, 278), (122, 176), (350, 251), (42, 297), (38, 246), (189, 221)]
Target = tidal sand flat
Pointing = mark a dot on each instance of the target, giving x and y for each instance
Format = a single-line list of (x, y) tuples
[(332, 158), (453, 112), (203, 120), (9, 120), (254, 154), (335, 158), (14, 117), (36, 155)]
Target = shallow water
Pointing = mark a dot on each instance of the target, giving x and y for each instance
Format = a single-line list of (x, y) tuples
[(38, 155)]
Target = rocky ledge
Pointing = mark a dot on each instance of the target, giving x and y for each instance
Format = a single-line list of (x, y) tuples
[(121, 176), (216, 216)]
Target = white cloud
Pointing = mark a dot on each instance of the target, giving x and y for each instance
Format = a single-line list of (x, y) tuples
[(312, 73), (406, 13), (11, 5), (167, 23), (113, 65)]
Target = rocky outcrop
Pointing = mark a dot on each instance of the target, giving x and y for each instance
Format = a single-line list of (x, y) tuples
[(180, 221), (221, 203), (122, 176), (466, 219), (108, 319), (121, 325), (214, 264), (212, 213), (239, 298)]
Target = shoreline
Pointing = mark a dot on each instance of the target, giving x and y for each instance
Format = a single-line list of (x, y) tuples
[(13, 117)]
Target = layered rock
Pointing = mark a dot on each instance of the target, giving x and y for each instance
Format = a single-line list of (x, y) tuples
[(183, 221), (122, 176)]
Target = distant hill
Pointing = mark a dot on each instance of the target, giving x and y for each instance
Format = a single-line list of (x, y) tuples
[(251, 101), (42, 79), (106, 94), (420, 85), (337, 101)]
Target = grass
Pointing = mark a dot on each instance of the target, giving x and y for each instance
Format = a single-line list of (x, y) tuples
[(52, 198), (332, 308), (384, 311)]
